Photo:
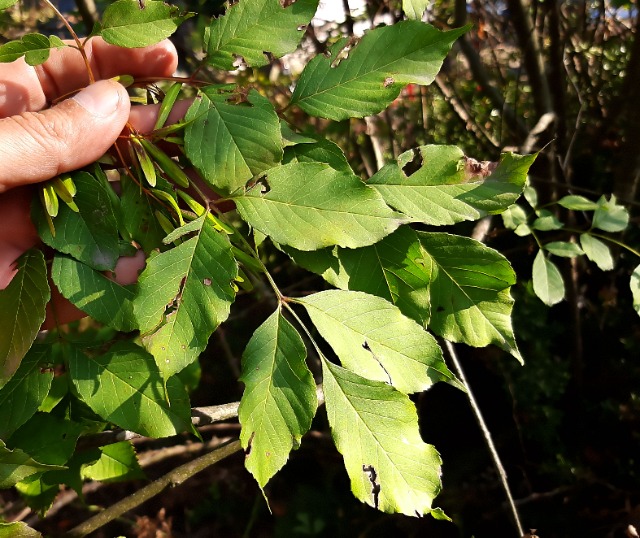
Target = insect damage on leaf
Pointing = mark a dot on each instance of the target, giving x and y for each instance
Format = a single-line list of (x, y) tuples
[(368, 348), (414, 164), (343, 53), (370, 471), (474, 169)]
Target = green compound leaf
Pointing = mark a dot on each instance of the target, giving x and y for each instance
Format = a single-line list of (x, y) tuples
[(634, 286), (609, 216), (374, 70), (375, 428), (374, 340), (256, 30), (311, 205), (470, 298), (184, 294), (449, 187), (117, 462), (90, 235), (392, 269), (577, 203), (597, 251), (25, 392), (228, 143), (124, 387), (103, 299), (34, 47), (18, 528), (547, 280), (279, 400), (16, 465), (22, 311), (133, 23)]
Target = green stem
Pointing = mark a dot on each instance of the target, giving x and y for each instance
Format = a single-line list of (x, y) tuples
[(606, 238)]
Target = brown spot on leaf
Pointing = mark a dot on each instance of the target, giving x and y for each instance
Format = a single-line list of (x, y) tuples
[(388, 82), (474, 169), (207, 282)]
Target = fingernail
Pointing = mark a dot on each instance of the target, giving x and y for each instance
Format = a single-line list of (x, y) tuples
[(100, 99)]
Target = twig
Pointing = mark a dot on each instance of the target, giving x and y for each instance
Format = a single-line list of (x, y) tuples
[(486, 434), (173, 478)]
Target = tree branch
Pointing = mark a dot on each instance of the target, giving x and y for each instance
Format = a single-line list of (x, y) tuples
[(173, 478)]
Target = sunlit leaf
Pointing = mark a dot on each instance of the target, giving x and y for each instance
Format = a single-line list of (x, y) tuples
[(117, 462), (34, 47), (255, 30), (363, 78), (393, 269), (447, 187), (375, 428), (577, 203), (22, 311), (546, 221), (470, 298), (124, 387), (133, 23), (609, 216), (414, 9), (373, 339), (311, 206), (184, 294), (634, 285), (279, 399), (547, 280), (564, 249), (597, 251), (230, 143)]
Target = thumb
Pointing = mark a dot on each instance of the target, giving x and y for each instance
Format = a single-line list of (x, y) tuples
[(36, 146)]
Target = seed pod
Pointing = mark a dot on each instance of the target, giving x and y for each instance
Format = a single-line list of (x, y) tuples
[(162, 195), (50, 199), (65, 188), (166, 163), (146, 164), (167, 104), (166, 225), (47, 216)]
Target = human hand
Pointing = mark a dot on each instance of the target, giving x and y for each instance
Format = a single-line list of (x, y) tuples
[(38, 143)]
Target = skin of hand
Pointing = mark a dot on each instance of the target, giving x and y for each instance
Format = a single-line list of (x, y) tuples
[(38, 142)]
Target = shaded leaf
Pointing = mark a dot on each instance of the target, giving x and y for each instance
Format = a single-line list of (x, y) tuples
[(279, 399), (547, 280), (16, 465), (374, 340), (448, 187), (230, 143), (25, 392), (92, 292), (375, 428), (546, 221), (184, 294), (17, 529), (374, 70), (90, 235), (311, 206), (322, 151), (124, 387), (22, 311), (597, 251), (577, 203), (249, 29), (129, 23)]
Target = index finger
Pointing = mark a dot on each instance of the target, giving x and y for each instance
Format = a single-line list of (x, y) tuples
[(24, 88)]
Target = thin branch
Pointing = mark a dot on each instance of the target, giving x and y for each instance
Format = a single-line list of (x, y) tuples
[(173, 478), (487, 435)]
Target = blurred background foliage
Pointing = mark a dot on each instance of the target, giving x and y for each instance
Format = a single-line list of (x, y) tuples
[(557, 76)]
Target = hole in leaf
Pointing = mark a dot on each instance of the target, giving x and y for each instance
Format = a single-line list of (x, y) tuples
[(388, 82), (249, 445), (375, 358), (239, 62), (262, 184), (270, 57), (371, 473), (207, 282), (301, 27), (414, 164), (343, 53)]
